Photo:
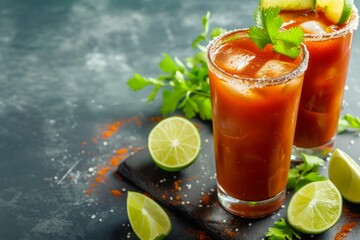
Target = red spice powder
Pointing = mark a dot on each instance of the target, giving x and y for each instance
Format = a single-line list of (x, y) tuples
[(111, 129), (205, 199), (229, 233), (116, 193), (122, 151), (177, 184), (345, 229), (202, 236), (120, 154), (156, 119)]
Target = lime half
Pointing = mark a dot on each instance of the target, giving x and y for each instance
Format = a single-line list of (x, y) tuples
[(337, 11), (174, 143), (147, 218), (289, 5), (315, 208), (344, 172)]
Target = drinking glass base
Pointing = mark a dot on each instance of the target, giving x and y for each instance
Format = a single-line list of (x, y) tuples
[(320, 151), (250, 209)]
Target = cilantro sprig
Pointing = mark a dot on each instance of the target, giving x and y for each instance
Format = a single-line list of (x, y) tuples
[(185, 84), (268, 31), (348, 122), (306, 172), (282, 231), (299, 176)]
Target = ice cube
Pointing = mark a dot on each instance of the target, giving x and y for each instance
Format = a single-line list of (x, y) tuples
[(234, 59), (313, 27), (274, 68)]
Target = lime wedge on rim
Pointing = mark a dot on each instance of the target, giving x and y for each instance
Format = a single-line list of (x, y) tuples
[(315, 208), (174, 143), (147, 218), (289, 5), (344, 172), (337, 11)]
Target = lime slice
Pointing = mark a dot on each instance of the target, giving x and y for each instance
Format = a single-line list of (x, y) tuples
[(315, 208), (344, 172), (174, 143), (289, 5), (337, 11), (147, 218)]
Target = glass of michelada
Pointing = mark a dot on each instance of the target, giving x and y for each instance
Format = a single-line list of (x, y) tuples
[(328, 26), (255, 95)]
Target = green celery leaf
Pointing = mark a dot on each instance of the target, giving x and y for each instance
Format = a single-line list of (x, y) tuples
[(171, 100), (153, 93), (189, 107), (267, 30), (314, 176), (348, 122), (343, 125), (138, 82), (282, 231), (217, 32), (167, 64), (204, 106), (293, 176), (272, 22), (258, 17), (311, 163), (205, 22), (259, 37), (288, 42), (198, 40)]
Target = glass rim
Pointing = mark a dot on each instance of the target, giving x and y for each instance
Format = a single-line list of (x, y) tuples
[(350, 26), (262, 81)]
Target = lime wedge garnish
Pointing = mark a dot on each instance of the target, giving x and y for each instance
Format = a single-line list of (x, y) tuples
[(289, 5), (344, 172), (174, 143), (337, 11), (147, 218), (315, 208)]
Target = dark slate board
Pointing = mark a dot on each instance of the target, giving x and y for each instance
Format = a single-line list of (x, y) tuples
[(192, 193)]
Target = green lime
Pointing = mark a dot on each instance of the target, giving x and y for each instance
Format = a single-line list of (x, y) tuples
[(315, 208), (147, 218), (289, 5), (337, 11), (344, 172), (174, 143)]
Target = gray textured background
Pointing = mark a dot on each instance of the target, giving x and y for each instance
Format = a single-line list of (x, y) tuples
[(63, 72)]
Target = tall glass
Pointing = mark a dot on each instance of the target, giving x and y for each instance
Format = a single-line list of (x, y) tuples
[(329, 46), (255, 96)]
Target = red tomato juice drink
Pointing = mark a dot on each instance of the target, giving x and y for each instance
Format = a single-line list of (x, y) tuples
[(329, 47), (255, 96)]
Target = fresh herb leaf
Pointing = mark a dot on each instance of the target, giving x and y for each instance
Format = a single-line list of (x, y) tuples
[(185, 84), (282, 231), (349, 122), (305, 173), (268, 31)]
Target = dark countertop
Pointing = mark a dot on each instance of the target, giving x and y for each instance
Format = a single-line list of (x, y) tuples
[(67, 117)]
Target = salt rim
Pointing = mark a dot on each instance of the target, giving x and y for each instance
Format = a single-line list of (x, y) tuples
[(350, 26), (247, 82)]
